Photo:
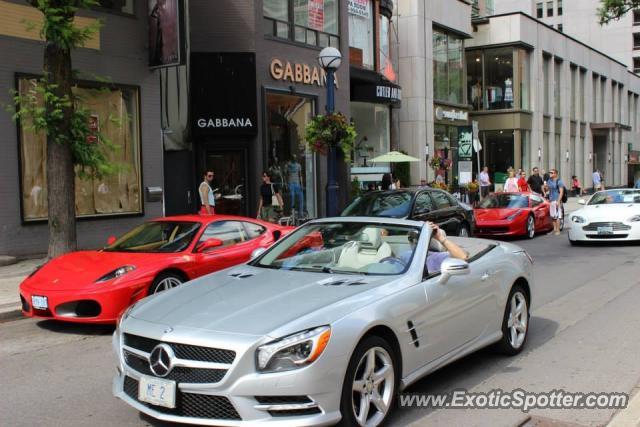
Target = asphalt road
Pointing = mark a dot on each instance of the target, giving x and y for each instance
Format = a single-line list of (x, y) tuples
[(584, 337)]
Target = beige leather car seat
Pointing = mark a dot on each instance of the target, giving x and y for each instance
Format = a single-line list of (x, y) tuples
[(368, 249)]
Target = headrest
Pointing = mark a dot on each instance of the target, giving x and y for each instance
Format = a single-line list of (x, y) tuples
[(371, 238)]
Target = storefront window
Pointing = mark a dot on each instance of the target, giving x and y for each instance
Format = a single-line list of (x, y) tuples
[(448, 70), (290, 161), (446, 143), (499, 78), (372, 121), (361, 33), (499, 150), (115, 113), (496, 67), (313, 22)]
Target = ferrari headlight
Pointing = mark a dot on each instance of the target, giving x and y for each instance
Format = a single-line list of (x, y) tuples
[(635, 218), (116, 273), (513, 215), (578, 219), (293, 351)]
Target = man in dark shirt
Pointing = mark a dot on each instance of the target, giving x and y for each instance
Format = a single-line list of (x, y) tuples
[(535, 181)]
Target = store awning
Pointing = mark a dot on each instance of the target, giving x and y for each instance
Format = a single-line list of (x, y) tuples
[(370, 86)]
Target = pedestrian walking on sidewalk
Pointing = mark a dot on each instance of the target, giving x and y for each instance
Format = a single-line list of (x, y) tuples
[(522, 182), (207, 194), (485, 182), (555, 187), (535, 181), (511, 184), (270, 205)]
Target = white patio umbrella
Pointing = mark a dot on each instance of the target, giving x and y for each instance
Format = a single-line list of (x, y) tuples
[(394, 157)]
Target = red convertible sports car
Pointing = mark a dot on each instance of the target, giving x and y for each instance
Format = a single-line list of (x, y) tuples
[(512, 214), (96, 286)]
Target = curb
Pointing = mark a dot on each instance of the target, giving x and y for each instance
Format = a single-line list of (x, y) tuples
[(10, 312), (7, 260)]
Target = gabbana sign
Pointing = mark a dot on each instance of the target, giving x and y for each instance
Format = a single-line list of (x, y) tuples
[(299, 73), (223, 94)]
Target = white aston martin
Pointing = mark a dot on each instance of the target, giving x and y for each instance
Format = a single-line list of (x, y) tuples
[(611, 215)]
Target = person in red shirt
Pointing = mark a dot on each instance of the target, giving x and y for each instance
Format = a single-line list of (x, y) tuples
[(522, 182)]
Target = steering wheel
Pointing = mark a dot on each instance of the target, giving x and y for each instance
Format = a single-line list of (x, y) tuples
[(394, 261)]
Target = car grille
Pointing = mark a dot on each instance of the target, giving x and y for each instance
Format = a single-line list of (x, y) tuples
[(189, 404), (617, 226), (607, 236), (182, 351), (179, 374)]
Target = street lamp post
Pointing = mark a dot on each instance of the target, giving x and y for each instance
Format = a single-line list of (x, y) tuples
[(330, 59)]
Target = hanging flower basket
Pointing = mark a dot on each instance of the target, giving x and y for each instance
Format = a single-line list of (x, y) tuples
[(331, 130), (472, 187), (438, 162)]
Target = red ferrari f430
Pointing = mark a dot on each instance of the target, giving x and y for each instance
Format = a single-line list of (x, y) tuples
[(97, 286)]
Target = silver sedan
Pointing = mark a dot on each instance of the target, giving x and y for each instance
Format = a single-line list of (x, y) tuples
[(326, 326)]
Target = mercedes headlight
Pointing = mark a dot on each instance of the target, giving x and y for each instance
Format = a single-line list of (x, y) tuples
[(578, 219), (116, 273), (293, 351), (635, 218), (513, 215)]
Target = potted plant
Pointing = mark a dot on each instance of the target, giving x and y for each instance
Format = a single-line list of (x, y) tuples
[(331, 130)]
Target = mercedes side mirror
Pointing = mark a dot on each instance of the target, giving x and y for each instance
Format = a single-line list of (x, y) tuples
[(209, 244), (582, 202), (257, 252), (111, 240), (453, 267)]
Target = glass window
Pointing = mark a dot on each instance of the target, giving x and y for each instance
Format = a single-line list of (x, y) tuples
[(230, 232), (603, 91), (441, 199), (290, 161), (636, 41), (524, 66), (501, 201), (536, 200), (560, 11), (558, 157), (448, 71), (386, 63), (546, 75), (122, 6), (499, 78), (393, 205), (526, 149), (540, 10), (315, 22), (560, 27), (581, 104), (373, 122), (115, 113), (474, 79), (594, 97), (157, 236), (423, 203), (545, 151), (254, 230), (574, 83), (498, 150), (556, 88), (361, 34), (550, 8)]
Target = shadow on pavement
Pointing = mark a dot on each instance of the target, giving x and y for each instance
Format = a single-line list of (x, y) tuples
[(472, 370), (75, 328)]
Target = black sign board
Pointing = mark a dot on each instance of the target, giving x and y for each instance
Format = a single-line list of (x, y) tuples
[(380, 93), (223, 94)]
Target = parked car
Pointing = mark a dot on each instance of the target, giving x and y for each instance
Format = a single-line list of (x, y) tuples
[(327, 324), (513, 214), (611, 215), (421, 204), (96, 286)]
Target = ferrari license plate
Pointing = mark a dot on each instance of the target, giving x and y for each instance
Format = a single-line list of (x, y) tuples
[(605, 230), (39, 303), (157, 391)]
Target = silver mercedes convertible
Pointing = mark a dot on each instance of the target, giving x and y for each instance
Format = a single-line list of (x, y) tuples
[(325, 327)]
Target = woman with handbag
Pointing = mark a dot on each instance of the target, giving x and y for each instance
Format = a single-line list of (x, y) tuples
[(270, 205)]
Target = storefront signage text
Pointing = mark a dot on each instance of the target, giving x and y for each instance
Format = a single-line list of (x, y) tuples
[(451, 114), (358, 8), (298, 73), (232, 122), (388, 92)]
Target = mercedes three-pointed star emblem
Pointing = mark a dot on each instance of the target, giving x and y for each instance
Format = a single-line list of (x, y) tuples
[(161, 360)]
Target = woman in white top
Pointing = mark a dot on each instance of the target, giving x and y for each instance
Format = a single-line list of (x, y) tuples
[(511, 185)]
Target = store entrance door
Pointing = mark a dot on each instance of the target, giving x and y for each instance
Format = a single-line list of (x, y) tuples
[(230, 180)]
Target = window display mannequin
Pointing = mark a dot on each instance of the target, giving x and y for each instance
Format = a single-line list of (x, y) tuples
[(294, 180)]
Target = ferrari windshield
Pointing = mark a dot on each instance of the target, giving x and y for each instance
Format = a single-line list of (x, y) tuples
[(497, 201), (611, 197), (391, 205), (349, 247), (157, 236)]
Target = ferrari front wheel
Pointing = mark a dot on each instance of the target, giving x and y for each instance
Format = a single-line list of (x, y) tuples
[(165, 281)]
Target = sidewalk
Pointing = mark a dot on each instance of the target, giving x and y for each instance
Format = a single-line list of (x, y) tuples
[(10, 278)]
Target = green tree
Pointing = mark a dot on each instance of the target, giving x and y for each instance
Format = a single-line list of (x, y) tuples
[(51, 108), (615, 9)]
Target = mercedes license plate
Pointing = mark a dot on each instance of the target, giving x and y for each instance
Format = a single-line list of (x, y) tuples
[(40, 303), (605, 230), (157, 391)]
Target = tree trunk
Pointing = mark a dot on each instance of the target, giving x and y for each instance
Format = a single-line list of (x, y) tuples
[(60, 172)]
